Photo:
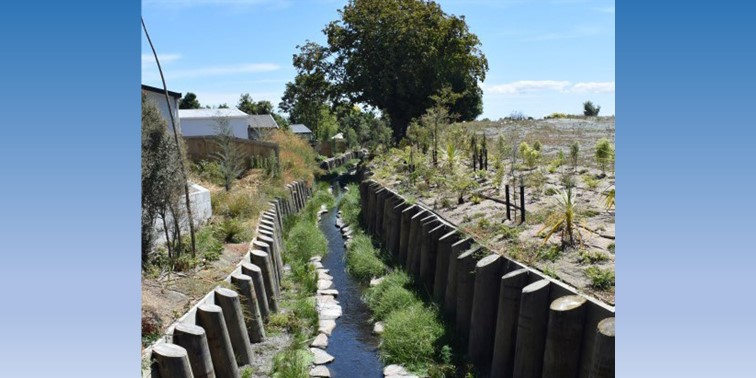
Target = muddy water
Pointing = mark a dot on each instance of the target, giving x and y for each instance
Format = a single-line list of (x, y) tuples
[(354, 347)]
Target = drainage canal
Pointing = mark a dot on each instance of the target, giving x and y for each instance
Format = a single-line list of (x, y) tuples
[(352, 344)]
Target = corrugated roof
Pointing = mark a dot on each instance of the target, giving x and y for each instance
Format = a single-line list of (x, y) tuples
[(211, 113), (300, 129), (262, 121)]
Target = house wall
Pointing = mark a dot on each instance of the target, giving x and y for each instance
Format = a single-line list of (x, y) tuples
[(207, 127), (159, 101)]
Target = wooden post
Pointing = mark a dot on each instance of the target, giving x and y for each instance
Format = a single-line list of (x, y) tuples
[(192, 338), (506, 190), (522, 204), (172, 361)]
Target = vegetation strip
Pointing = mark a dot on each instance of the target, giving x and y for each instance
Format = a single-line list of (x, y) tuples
[(414, 334)]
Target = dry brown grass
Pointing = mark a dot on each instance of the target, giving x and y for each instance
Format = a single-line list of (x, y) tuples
[(296, 155)]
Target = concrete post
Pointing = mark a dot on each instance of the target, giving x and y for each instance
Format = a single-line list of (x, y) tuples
[(465, 292), (561, 357), (443, 251), (258, 244), (428, 253), (363, 202), (267, 236), (603, 350), (488, 272), (388, 207), (172, 361), (396, 228), (193, 339), (210, 317), (450, 294), (262, 260), (229, 302), (380, 198), (531, 330), (404, 232), (251, 309), (421, 241), (258, 283), (510, 291), (414, 237)]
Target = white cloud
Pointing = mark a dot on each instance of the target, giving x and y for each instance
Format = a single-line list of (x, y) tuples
[(593, 87), (526, 86), (215, 71), (149, 59), (530, 86)]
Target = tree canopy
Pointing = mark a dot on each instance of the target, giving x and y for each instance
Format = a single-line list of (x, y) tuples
[(396, 54), (392, 55), (189, 101)]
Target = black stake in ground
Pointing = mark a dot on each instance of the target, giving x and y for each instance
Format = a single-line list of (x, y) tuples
[(522, 204), (506, 191)]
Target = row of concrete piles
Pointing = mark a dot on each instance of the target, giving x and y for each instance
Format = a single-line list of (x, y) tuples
[(508, 319), (338, 161), (214, 339)]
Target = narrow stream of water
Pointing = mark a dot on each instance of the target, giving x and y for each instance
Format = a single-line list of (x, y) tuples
[(352, 344)]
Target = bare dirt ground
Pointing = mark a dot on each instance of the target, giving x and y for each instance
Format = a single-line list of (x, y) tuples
[(485, 219)]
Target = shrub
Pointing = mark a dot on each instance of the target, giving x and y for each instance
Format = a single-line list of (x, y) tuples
[(410, 337), (537, 146), (350, 205), (208, 245), (590, 110), (611, 247), (549, 253), (235, 205), (509, 232), (391, 298), (362, 259), (304, 241), (574, 154), (231, 230), (601, 279), (590, 181), (592, 257), (604, 153), (209, 171)]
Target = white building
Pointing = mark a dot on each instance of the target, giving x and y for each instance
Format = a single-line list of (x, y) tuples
[(204, 122), (157, 97)]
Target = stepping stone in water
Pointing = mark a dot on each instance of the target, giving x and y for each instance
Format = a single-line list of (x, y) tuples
[(324, 276), (325, 284), (320, 372), (317, 265), (315, 258), (321, 357), (378, 328), (330, 312), (326, 326), (321, 341), (395, 371)]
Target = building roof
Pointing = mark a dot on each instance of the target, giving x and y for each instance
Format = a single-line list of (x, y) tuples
[(262, 121), (160, 91), (300, 129), (211, 113)]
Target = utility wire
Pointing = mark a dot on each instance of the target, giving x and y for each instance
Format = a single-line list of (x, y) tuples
[(175, 137)]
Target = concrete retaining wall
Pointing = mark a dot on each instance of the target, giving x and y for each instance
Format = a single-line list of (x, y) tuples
[(337, 161), (510, 319), (215, 333)]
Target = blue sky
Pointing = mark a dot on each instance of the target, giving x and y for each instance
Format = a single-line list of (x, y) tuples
[(544, 56)]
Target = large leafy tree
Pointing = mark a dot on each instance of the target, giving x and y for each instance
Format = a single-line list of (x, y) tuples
[(305, 98), (189, 101), (396, 54), (249, 106)]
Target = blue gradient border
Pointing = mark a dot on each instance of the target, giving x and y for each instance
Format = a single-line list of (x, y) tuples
[(70, 158), (685, 255)]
